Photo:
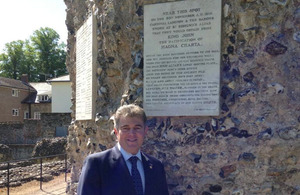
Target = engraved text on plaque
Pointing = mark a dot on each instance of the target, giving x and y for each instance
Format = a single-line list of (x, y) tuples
[(182, 58), (86, 54)]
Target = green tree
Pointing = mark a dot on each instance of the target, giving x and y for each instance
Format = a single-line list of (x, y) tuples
[(12, 60), (51, 55), (30, 62), (41, 57)]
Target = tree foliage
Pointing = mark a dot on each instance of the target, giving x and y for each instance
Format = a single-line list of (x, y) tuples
[(41, 57), (12, 61)]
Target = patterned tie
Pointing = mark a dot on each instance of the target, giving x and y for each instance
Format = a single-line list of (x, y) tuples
[(136, 177)]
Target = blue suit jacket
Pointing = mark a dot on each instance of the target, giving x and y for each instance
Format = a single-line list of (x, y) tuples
[(106, 173)]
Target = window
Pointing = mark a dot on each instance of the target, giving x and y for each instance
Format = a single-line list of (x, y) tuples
[(15, 112), (15, 92), (26, 115), (37, 115), (43, 98)]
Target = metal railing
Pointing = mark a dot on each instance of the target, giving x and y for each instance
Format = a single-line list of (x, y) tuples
[(40, 159)]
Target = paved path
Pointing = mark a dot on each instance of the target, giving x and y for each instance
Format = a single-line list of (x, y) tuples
[(57, 186)]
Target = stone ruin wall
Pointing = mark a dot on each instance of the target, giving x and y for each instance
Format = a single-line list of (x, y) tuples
[(252, 147), (32, 130), (20, 138)]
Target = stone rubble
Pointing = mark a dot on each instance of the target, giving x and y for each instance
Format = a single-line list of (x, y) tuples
[(26, 171)]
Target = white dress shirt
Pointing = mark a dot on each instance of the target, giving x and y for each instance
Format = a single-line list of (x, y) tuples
[(126, 156)]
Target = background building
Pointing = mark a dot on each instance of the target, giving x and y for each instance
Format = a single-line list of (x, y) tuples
[(43, 99), (61, 94), (16, 98)]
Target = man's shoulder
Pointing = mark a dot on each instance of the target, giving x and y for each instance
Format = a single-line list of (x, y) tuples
[(101, 155), (150, 158)]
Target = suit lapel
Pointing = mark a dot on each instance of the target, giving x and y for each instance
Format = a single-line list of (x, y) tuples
[(124, 178), (148, 170)]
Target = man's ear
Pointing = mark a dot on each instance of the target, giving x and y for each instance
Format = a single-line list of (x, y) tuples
[(116, 131)]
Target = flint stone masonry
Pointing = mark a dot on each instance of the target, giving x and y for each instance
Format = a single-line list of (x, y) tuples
[(252, 147)]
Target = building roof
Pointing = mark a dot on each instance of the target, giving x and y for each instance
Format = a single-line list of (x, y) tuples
[(30, 99), (17, 84), (43, 88), (13, 83), (65, 78)]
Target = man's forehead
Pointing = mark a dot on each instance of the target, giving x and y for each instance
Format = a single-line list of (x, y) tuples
[(131, 118), (125, 120)]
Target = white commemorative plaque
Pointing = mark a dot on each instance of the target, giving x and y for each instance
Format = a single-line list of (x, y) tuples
[(182, 43), (86, 56)]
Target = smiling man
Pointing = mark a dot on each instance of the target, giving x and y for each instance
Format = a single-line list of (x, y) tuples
[(124, 169)]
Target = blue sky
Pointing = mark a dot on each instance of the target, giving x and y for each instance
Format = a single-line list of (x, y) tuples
[(20, 18)]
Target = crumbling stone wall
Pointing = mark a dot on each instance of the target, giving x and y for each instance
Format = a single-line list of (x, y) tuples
[(49, 122), (11, 133), (49, 147), (252, 147), (20, 151), (5, 153), (21, 137), (33, 130)]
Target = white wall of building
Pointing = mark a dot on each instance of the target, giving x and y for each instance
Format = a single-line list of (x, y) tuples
[(61, 97)]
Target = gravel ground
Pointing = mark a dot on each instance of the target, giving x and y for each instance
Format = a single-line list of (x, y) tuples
[(57, 186)]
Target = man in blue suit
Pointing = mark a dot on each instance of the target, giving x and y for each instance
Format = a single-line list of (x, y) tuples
[(124, 169)]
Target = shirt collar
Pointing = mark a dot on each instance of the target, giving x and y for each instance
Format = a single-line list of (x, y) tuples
[(126, 155)]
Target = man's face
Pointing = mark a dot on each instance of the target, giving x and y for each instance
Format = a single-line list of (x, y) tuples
[(131, 133)]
